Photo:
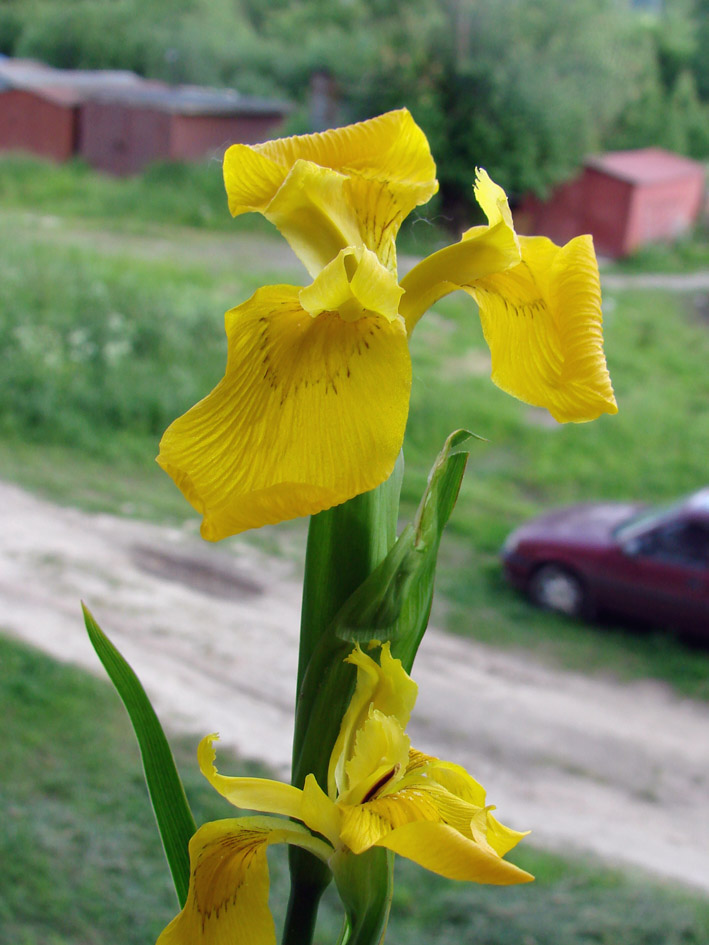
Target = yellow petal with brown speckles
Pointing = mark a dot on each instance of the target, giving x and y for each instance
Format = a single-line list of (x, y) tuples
[(311, 412), (227, 901), (543, 323)]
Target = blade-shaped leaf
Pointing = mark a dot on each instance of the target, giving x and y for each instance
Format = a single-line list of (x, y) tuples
[(394, 602), (172, 812)]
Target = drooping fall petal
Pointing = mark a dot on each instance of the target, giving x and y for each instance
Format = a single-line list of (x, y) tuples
[(364, 825), (542, 321), (228, 894), (482, 251), (227, 901), (441, 849), (311, 412), (540, 307)]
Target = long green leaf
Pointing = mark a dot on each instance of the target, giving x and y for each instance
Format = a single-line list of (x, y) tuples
[(172, 812)]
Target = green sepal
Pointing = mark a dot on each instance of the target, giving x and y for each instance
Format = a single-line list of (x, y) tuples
[(167, 795), (365, 882), (394, 602)]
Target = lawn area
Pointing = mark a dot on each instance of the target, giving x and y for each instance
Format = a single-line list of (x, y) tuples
[(111, 326), (82, 863)]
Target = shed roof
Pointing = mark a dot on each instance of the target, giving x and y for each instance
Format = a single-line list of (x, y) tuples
[(73, 86), (192, 100), (645, 165), (26, 73)]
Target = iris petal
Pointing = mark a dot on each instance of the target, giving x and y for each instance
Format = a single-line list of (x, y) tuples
[(272, 797), (337, 188), (353, 284), (227, 901), (542, 321), (310, 413), (441, 849), (311, 211), (320, 813), (388, 147), (483, 251), (385, 687), (364, 825), (378, 759)]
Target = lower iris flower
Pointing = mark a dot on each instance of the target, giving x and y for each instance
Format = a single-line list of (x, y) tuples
[(381, 792)]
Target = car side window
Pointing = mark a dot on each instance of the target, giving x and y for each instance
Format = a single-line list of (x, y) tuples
[(679, 543)]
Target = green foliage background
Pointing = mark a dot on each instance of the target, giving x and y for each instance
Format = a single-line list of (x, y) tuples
[(523, 88)]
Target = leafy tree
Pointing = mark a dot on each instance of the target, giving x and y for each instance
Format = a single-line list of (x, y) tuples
[(524, 88)]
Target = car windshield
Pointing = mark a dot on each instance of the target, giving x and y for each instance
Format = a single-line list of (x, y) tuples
[(642, 521)]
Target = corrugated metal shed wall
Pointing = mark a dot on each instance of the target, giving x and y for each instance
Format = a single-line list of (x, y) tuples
[(194, 136), (624, 199), (30, 122), (122, 139)]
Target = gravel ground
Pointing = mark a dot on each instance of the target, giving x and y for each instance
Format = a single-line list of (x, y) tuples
[(590, 764)]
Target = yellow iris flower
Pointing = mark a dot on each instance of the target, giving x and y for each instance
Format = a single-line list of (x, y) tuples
[(313, 405), (380, 792)]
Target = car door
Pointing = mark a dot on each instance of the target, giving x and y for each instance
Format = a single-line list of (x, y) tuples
[(665, 575)]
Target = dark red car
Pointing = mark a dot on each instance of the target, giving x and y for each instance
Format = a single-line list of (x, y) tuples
[(651, 564)]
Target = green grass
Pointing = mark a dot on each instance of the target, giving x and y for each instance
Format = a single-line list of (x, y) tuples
[(687, 254), (180, 194), (82, 863), (107, 335), (165, 194)]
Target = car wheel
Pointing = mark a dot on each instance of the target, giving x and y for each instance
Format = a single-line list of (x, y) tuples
[(554, 588)]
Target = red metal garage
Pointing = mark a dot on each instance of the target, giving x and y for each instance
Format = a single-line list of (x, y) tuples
[(40, 121), (120, 122), (625, 199), (122, 130)]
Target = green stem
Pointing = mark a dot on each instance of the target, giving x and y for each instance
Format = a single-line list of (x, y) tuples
[(304, 899), (345, 544)]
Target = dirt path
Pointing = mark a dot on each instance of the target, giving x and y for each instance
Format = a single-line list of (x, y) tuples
[(586, 763)]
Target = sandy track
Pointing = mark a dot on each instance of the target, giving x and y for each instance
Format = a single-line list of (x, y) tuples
[(621, 770)]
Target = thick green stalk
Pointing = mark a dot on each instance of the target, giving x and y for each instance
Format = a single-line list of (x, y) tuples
[(307, 886), (345, 544)]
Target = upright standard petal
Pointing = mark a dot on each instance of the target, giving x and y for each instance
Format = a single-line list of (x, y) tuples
[(227, 901), (378, 760), (336, 188), (310, 413), (385, 687), (543, 323)]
